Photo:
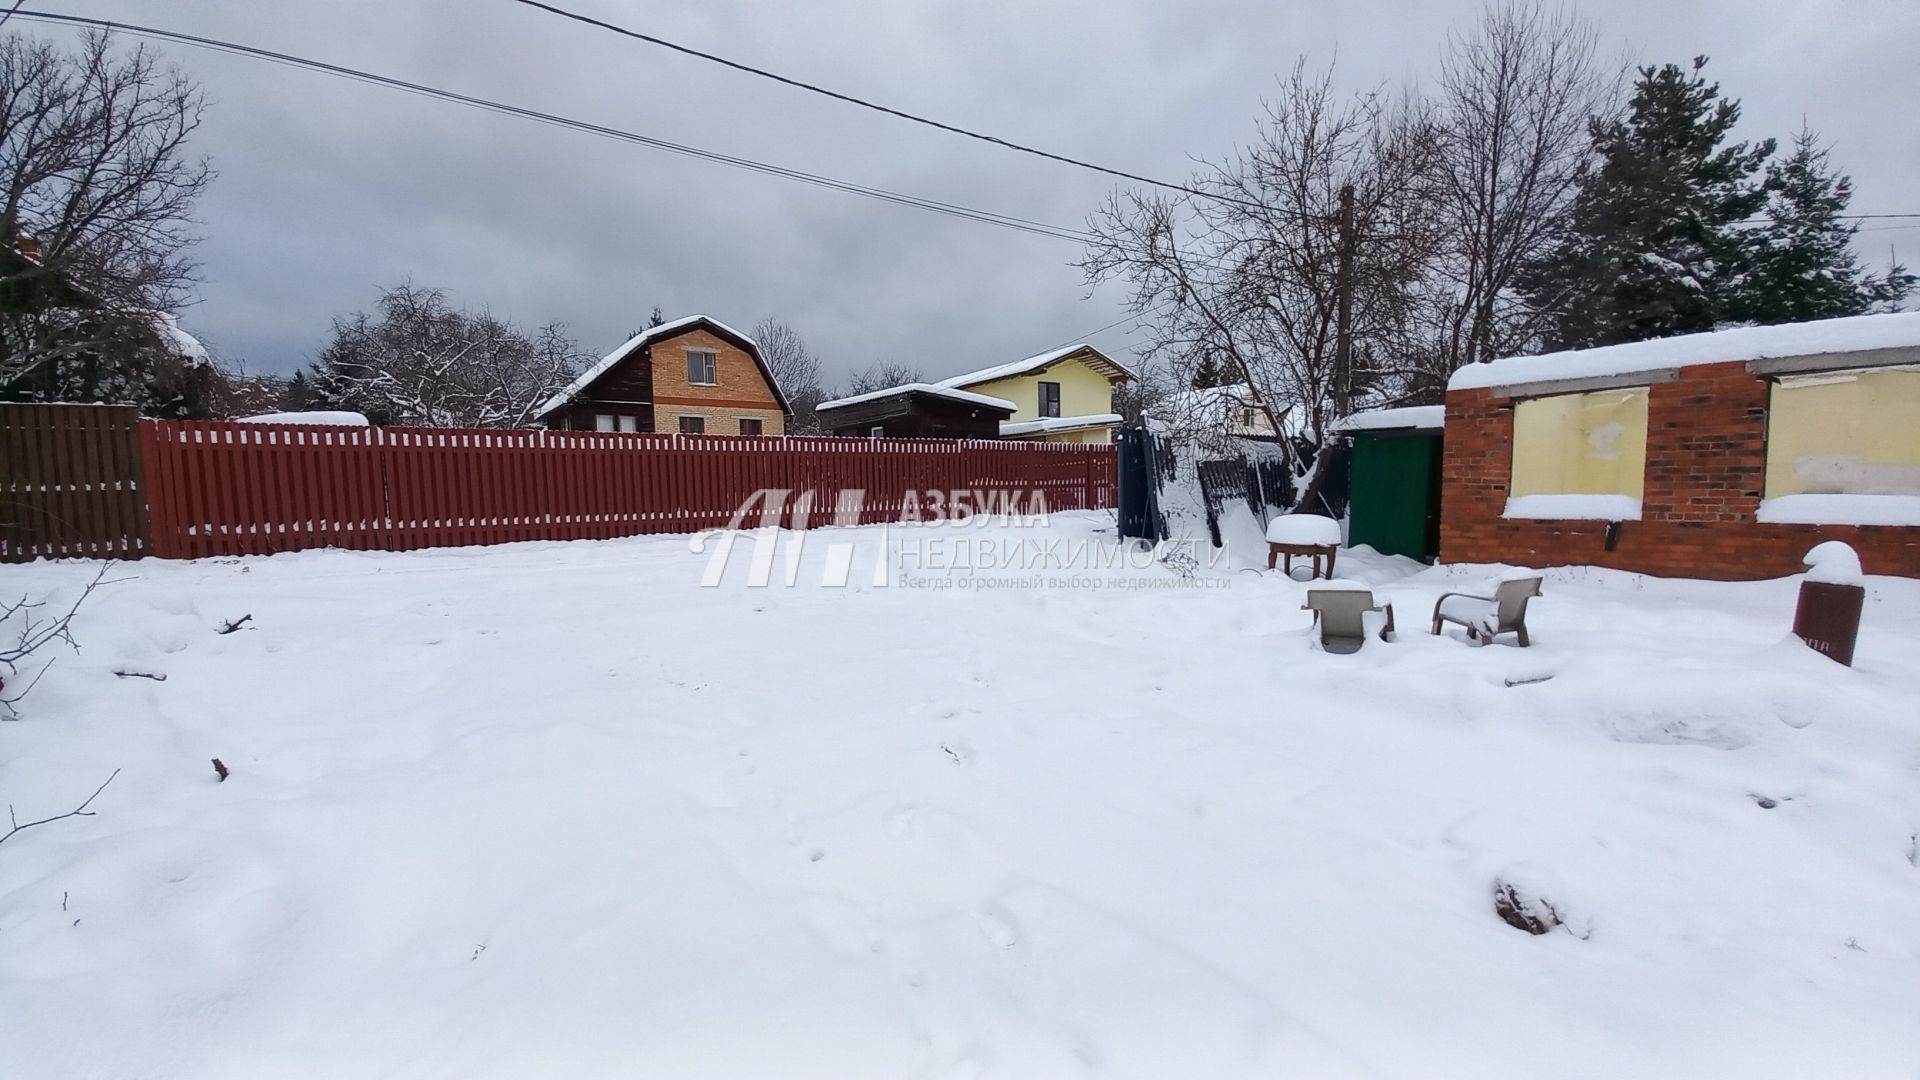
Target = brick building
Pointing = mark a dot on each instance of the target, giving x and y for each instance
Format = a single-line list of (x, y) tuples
[(695, 376), (1723, 455)]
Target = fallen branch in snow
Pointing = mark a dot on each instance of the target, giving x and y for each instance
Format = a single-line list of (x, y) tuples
[(221, 768), (78, 811), (231, 625), (155, 676)]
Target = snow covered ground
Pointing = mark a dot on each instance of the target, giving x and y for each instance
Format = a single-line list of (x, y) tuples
[(557, 810)]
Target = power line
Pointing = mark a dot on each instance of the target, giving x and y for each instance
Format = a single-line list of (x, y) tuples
[(850, 99), (989, 217)]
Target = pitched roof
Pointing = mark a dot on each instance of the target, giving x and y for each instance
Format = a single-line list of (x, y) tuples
[(1420, 417), (660, 333), (1096, 359), (920, 388), (1857, 333), (1048, 425)]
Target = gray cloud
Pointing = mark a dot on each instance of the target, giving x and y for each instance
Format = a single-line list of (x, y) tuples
[(328, 189)]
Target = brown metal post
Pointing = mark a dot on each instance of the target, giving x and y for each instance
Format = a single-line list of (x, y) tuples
[(1827, 618)]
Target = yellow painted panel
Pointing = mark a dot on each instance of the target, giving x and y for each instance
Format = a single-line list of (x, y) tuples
[(1581, 444), (1851, 434), (1083, 391)]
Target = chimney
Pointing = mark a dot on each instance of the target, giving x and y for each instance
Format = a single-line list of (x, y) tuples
[(28, 246)]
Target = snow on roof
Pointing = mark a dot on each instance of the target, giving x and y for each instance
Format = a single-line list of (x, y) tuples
[(652, 333), (1210, 405), (1407, 416), (1033, 363), (1856, 333), (1048, 424), (318, 417), (1207, 397), (941, 391), (179, 340)]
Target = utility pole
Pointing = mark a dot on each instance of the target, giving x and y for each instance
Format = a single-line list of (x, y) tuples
[(1343, 329)]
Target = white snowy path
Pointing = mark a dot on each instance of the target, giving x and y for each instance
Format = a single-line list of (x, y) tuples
[(555, 810)]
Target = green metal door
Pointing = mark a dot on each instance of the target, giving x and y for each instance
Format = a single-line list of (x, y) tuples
[(1396, 494)]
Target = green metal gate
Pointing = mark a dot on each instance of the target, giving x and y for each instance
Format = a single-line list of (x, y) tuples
[(1396, 493)]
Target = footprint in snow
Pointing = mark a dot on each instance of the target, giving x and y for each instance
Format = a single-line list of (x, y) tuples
[(899, 824), (998, 927)]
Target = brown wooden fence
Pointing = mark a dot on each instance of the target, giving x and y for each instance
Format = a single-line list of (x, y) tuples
[(71, 483), (93, 481)]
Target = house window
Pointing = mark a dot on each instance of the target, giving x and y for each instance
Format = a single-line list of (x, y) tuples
[(1049, 399), (701, 367), (1845, 433), (629, 424), (1580, 455), (693, 425), (877, 432), (603, 421), (751, 425), (1246, 418)]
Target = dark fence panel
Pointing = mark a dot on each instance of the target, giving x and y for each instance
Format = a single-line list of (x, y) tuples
[(71, 483)]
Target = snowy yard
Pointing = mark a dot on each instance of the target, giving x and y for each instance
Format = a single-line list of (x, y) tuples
[(557, 810)]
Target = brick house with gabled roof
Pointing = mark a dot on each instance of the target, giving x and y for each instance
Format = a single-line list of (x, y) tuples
[(695, 375)]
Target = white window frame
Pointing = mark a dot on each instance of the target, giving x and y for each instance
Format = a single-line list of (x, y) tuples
[(603, 421), (711, 365)]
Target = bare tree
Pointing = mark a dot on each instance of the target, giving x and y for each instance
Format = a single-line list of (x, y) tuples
[(1515, 97), (796, 369), (97, 188), (879, 376), (1330, 197), (421, 361)]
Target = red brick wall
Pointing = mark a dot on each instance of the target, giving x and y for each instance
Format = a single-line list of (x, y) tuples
[(1706, 467)]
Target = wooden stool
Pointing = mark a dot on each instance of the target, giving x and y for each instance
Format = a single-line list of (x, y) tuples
[(1314, 551)]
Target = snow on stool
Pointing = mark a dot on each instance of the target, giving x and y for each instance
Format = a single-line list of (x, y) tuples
[(1303, 534), (1304, 529)]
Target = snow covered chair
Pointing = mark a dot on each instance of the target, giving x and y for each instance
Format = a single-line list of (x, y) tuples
[(1487, 617), (1340, 617)]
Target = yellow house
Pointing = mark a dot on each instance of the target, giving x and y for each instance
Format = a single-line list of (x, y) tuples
[(1061, 396)]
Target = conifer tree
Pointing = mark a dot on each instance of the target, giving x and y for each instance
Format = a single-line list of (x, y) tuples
[(1653, 249), (1802, 264)]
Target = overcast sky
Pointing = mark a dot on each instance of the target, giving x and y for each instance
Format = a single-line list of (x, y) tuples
[(329, 189)]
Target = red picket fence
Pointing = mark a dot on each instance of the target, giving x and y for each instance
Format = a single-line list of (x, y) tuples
[(220, 488)]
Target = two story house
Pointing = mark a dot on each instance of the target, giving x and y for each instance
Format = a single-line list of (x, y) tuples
[(1061, 396), (695, 376)]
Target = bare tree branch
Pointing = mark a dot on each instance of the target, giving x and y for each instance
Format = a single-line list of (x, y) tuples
[(78, 811), (32, 634)]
